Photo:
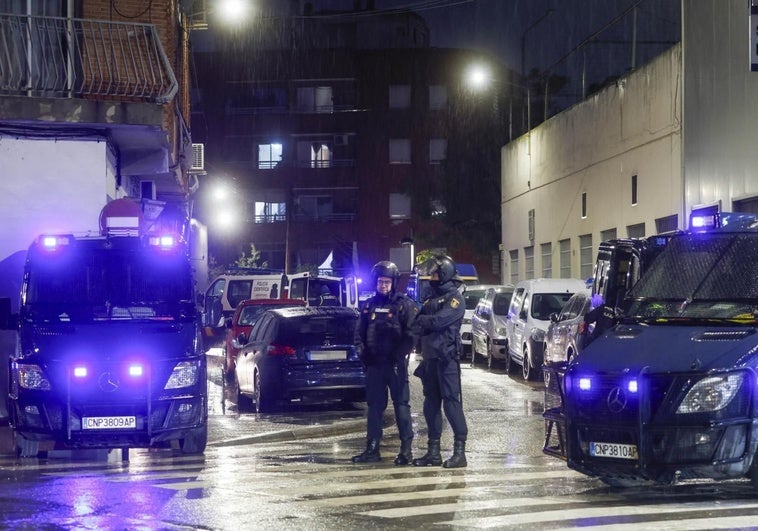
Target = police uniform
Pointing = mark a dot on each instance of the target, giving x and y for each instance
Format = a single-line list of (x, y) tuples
[(384, 340), (438, 324)]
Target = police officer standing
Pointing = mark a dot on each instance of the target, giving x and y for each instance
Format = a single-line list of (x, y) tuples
[(327, 298), (438, 324), (384, 340)]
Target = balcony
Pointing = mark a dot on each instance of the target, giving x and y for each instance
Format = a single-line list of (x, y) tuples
[(69, 57), (81, 77)]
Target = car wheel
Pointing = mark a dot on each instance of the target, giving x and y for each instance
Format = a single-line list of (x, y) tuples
[(243, 403), (526, 368), (195, 442), (473, 352), (263, 399), (490, 356)]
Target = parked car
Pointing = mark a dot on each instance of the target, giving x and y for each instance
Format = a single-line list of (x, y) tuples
[(528, 318), (238, 326), (488, 324), (301, 353), (564, 335), (472, 296)]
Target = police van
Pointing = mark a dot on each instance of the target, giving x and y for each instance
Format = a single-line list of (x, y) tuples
[(670, 392), (108, 352)]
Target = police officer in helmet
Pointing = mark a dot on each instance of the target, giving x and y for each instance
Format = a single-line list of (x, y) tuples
[(438, 324), (384, 340)]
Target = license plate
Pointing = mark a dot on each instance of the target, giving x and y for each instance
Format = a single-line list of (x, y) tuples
[(617, 451), (329, 355), (109, 423)]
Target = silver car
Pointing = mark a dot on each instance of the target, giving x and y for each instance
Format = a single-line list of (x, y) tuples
[(488, 324), (564, 336)]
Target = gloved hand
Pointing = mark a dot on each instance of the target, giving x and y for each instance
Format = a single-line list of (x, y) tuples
[(421, 324)]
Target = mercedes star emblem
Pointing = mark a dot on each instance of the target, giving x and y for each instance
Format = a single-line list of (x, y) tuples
[(109, 382), (616, 400)]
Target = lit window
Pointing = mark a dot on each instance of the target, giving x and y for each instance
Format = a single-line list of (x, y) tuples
[(400, 151), (269, 156)]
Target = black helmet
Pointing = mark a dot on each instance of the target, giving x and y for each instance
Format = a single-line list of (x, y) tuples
[(441, 264), (385, 268)]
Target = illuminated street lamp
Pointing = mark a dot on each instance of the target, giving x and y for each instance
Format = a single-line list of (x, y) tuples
[(479, 78), (227, 12)]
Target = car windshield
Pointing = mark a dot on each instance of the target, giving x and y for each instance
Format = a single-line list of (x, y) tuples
[(700, 276), (543, 304), (472, 297), (105, 284), (318, 331)]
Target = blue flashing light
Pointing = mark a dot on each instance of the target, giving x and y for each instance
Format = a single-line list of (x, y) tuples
[(704, 221), (135, 370), (585, 383), (165, 242), (632, 386), (80, 372), (51, 243)]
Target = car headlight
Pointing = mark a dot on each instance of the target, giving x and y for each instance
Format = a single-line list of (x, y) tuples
[(183, 375), (711, 393), (32, 377), (537, 335)]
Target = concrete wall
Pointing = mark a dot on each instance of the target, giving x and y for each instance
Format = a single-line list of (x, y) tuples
[(49, 185), (720, 104), (595, 147)]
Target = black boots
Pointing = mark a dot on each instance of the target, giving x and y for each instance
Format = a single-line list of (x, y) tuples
[(458, 459), (370, 454), (405, 456), (432, 456)]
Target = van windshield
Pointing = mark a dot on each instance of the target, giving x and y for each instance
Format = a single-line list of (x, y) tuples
[(543, 304), (701, 276), (99, 283)]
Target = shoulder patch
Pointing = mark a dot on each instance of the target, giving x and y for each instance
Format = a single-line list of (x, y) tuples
[(454, 303)]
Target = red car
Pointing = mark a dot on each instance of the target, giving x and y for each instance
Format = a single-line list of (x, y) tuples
[(239, 325)]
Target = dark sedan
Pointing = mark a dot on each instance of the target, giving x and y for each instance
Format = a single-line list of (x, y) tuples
[(305, 354)]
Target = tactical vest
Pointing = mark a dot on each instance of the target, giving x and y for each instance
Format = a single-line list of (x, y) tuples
[(383, 330)]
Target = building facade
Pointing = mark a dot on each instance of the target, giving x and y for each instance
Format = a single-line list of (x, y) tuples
[(337, 147), (638, 157)]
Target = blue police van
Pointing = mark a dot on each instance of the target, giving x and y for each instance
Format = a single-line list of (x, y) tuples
[(671, 391)]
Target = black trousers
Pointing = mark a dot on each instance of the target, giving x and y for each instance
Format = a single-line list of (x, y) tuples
[(379, 379), (441, 381)]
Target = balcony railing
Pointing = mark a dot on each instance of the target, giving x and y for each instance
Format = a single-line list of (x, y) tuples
[(83, 58)]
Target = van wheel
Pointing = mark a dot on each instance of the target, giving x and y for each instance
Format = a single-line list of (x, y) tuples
[(490, 356), (26, 447), (473, 352), (195, 442), (526, 368), (509, 368)]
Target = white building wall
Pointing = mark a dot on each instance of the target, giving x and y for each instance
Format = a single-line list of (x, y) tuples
[(49, 186), (632, 128), (720, 104)]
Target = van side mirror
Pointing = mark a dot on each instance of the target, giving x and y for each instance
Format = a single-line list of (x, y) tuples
[(522, 314), (553, 317)]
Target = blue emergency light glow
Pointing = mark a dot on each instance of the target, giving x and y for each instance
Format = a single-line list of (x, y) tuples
[(585, 384), (709, 221), (632, 386), (53, 242), (164, 242), (80, 372), (135, 370)]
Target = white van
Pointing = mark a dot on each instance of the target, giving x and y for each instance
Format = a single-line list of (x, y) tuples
[(226, 291), (528, 318)]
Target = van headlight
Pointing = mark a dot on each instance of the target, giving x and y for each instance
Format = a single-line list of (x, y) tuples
[(183, 375), (32, 377), (711, 393)]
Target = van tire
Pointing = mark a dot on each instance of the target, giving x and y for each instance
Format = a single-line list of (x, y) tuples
[(26, 447), (509, 364), (490, 356), (195, 442), (526, 368)]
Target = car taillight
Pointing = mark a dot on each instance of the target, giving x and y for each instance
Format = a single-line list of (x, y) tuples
[(280, 350)]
